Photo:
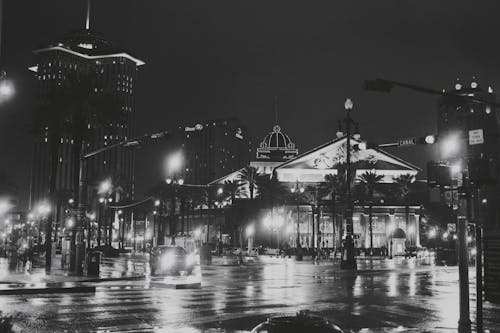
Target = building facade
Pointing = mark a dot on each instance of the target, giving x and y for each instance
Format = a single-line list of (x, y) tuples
[(314, 222), (215, 148), (111, 75)]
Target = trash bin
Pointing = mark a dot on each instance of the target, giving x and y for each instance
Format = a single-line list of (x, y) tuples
[(93, 262), (206, 254)]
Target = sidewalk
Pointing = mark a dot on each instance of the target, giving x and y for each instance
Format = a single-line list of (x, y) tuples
[(111, 269)]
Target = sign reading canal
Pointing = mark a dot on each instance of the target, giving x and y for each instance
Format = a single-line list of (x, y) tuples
[(407, 142)]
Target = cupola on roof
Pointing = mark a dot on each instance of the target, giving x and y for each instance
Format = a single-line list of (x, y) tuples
[(277, 146)]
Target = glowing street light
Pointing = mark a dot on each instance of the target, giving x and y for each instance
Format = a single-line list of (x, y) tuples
[(6, 88), (432, 233), (456, 168), (450, 145), (157, 202), (174, 162), (70, 223), (5, 206), (220, 191), (105, 186), (43, 209), (250, 230)]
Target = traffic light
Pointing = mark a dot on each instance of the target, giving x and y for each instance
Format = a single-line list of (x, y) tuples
[(379, 85), (438, 174), (428, 139)]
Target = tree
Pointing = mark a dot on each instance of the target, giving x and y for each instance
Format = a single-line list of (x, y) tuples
[(250, 175), (270, 190), (403, 184), (370, 181), (233, 188), (335, 186)]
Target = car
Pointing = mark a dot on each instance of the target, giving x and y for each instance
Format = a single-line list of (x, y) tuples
[(411, 251), (172, 260), (303, 322)]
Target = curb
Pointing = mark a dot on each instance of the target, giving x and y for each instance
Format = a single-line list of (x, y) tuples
[(196, 285), (124, 278), (48, 290)]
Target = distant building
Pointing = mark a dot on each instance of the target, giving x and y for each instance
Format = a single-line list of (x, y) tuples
[(394, 225), (217, 148), (114, 70)]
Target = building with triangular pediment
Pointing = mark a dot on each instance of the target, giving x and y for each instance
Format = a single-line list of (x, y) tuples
[(395, 220)]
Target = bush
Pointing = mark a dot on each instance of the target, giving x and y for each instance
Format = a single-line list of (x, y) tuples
[(6, 323)]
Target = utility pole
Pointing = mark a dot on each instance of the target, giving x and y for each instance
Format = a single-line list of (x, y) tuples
[(77, 256)]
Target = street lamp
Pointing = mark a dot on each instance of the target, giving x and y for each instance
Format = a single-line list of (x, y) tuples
[(450, 145), (174, 162), (348, 261), (6, 87), (105, 186), (250, 232), (392, 227)]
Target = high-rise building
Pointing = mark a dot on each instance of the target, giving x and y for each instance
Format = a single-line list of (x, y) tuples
[(474, 124), (214, 149), (113, 72)]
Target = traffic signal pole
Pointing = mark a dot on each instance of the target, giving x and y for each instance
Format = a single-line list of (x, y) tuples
[(464, 322), (470, 192), (77, 252)]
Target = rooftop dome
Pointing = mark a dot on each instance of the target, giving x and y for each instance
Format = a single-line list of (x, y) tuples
[(277, 140), (277, 146)]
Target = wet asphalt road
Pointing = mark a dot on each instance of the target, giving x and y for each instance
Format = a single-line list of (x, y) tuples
[(383, 296)]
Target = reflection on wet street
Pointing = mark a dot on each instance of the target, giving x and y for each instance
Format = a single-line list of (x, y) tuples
[(382, 296)]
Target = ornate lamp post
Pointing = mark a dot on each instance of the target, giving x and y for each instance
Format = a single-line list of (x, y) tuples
[(348, 261), (298, 189)]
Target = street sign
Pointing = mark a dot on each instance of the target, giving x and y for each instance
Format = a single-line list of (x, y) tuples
[(476, 137), (407, 142)]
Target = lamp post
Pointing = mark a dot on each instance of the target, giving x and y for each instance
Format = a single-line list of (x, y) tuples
[(250, 232), (392, 227), (174, 165), (6, 86), (348, 261), (298, 189)]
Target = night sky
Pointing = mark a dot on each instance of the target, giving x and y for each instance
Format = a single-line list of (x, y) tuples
[(207, 59)]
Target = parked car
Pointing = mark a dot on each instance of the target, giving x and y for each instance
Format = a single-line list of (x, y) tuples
[(303, 322), (107, 250), (172, 260)]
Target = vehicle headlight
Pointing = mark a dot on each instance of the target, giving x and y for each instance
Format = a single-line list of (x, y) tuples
[(168, 260), (191, 259)]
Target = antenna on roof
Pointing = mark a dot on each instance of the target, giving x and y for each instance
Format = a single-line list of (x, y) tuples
[(87, 21), (276, 109)]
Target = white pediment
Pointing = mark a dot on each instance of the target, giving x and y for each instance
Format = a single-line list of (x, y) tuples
[(312, 166)]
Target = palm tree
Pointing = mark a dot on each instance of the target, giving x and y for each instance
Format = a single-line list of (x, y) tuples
[(270, 190), (233, 188), (334, 186), (403, 184), (249, 175), (370, 181)]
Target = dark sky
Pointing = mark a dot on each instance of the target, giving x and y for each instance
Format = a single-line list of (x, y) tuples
[(216, 58)]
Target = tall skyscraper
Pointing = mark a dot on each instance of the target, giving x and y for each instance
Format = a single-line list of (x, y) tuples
[(216, 148), (113, 72)]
